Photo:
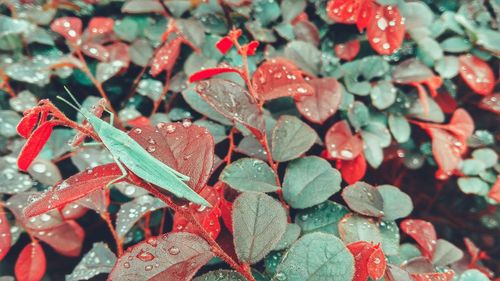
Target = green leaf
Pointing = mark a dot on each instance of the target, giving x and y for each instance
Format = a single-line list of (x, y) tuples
[(383, 94), (290, 9), (266, 11), (221, 275), (98, 260), (317, 256), (373, 66), (217, 130), (400, 128), (305, 55), (358, 115), (456, 44), (472, 167), (397, 204), (364, 199), (355, 228), (430, 49), (473, 275), (140, 52), (390, 237), (200, 105), (291, 138), (291, 234), (486, 155), (126, 29), (473, 185), (489, 39), (324, 217), (447, 67), (249, 174), (446, 253), (132, 211), (310, 181), (193, 31), (259, 222)]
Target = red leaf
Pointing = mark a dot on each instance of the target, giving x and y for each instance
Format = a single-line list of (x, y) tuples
[(462, 125), (279, 78), (69, 27), (224, 44), (477, 74), (140, 121), (6, 241), (323, 103), (100, 26), (365, 15), (27, 124), (348, 50), (369, 260), (494, 191), (252, 47), (118, 52), (227, 209), (31, 263), (187, 148), (209, 72), (352, 170), (305, 30), (96, 51), (423, 233), (345, 11), (491, 103), (166, 57), (66, 239), (446, 276), (34, 145), (74, 188), (447, 103), (447, 150), (171, 257), (207, 217), (341, 143), (386, 30)]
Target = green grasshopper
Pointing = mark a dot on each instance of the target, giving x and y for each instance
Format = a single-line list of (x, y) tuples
[(128, 153)]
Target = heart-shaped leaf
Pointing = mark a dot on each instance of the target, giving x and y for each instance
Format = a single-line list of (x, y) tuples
[(259, 221), (317, 256), (69, 27), (310, 181), (364, 199), (249, 174), (397, 204), (172, 256), (386, 30), (324, 101)]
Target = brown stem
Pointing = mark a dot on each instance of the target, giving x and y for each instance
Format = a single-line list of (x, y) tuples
[(118, 241), (230, 150)]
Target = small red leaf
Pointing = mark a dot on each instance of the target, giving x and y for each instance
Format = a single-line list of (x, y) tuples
[(252, 47), (100, 26), (166, 57), (224, 44), (66, 239), (69, 27), (74, 188), (141, 121), (34, 145), (352, 170), (345, 11), (386, 30), (376, 264), (445, 276), (423, 233), (477, 74), (6, 241), (118, 52), (491, 103), (324, 101), (279, 78), (96, 51), (341, 143), (209, 72), (493, 194), (369, 260), (27, 124), (446, 102), (462, 126), (447, 150), (347, 51), (31, 263)]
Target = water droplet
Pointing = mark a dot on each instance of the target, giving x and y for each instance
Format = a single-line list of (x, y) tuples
[(137, 130), (174, 250), (145, 256)]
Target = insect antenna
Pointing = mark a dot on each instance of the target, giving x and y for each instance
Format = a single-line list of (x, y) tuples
[(72, 97), (76, 104)]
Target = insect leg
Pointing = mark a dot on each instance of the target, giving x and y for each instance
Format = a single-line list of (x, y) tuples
[(91, 144), (111, 115), (122, 169)]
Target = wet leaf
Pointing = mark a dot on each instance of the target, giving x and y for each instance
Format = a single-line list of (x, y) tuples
[(324, 101), (291, 234), (397, 204), (386, 30), (364, 199), (166, 57), (31, 263), (253, 215), (142, 6), (473, 275), (9, 120), (477, 74), (172, 256), (369, 260), (249, 174), (132, 211), (317, 256), (220, 275), (207, 73), (352, 170), (309, 181), (69, 27), (353, 228), (98, 260), (324, 217), (291, 138), (347, 51), (34, 145), (423, 233), (400, 128), (446, 253), (66, 238), (341, 143), (6, 241)]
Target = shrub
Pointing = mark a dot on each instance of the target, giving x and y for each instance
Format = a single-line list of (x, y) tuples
[(329, 140)]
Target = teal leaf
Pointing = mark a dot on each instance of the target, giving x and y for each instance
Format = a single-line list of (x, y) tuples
[(197, 103), (446, 253), (291, 234), (259, 222), (217, 130), (266, 11), (383, 94), (249, 174), (324, 217), (472, 167), (473, 275), (473, 185), (98, 260), (390, 237), (456, 44), (400, 128), (355, 228), (310, 181), (193, 30), (132, 211), (364, 199), (447, 67), (290, 138), (220, 275), (126, 29), (305, 55), (358, 115), (317, 257), (397, 204), (486, 155)]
